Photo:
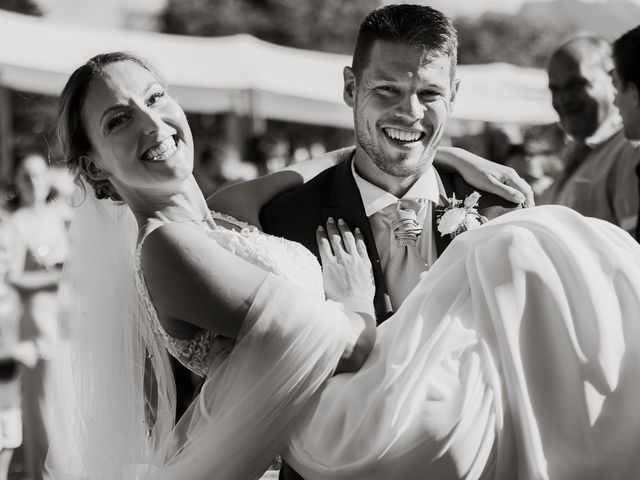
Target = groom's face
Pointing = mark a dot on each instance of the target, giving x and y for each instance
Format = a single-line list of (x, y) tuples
[(401, 100)]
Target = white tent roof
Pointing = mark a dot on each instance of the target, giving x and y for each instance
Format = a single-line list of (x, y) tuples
[(243, 74)]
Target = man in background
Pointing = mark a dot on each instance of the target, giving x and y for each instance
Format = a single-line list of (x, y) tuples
[(599, 162)]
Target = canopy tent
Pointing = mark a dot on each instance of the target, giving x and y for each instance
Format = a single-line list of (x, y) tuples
[(248, 76)]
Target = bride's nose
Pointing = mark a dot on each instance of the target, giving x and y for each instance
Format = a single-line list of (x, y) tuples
[(150, 120)]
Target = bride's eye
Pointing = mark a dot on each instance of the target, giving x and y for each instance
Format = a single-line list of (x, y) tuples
[(116, 121), (155, 97)]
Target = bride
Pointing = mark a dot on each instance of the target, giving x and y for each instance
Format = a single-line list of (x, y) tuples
[(514, 357)]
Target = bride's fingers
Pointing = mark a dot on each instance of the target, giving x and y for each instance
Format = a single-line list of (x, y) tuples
[(361, 246), (335, 238), (324, 247), (514, 186), (522, 186), (348, 239)]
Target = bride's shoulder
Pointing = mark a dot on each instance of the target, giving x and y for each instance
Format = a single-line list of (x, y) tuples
[(163, 242)]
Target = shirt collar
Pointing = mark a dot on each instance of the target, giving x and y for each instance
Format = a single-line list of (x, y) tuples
[(605, 131), (375, 199)]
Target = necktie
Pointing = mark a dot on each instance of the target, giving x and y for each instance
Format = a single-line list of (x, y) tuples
[(405, 264)]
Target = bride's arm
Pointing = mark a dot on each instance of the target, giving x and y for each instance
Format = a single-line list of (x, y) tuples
[(245, 200), (194, 281)]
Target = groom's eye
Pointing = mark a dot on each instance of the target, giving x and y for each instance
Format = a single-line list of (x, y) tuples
[(387, 89)]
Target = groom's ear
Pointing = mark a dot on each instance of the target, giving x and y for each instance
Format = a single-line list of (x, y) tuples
[(349, 91), (92, 169), (454, 93)]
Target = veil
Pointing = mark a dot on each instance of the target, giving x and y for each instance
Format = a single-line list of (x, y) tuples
[(104, 361), (115, 389)]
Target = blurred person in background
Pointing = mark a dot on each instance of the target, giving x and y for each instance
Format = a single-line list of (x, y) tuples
[(41, 228), (626, 79), (13, 353), (537, 170), (598, 178), (220, 165)]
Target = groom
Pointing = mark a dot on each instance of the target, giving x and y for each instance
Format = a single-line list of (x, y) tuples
[(401, 87)]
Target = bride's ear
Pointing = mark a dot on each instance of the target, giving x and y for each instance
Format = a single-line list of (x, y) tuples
[(92, 169)]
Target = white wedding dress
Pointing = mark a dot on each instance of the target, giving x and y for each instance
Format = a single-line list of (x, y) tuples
[(516, 356)]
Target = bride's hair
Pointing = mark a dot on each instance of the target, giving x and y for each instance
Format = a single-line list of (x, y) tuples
[(72, 135)]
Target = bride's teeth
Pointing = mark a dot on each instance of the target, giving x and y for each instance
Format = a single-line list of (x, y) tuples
[(162, 151), (403, 135)]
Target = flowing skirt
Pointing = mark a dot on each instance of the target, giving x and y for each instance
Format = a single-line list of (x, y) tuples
[(516, 356)]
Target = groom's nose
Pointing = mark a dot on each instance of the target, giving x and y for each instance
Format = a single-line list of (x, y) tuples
[(410, 107)]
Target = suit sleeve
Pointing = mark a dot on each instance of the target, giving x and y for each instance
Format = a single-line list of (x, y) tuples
[(266, 219)]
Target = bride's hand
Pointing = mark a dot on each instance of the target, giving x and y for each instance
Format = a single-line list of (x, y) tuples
[(346, 268), (348, 279), (487, 175)]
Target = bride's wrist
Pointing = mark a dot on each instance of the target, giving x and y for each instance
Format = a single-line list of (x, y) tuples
[(359, 304)]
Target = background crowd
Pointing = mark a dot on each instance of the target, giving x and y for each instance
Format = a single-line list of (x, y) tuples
[(587, 161)]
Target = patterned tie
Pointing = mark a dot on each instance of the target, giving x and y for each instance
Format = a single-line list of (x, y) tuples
[(406, 264)]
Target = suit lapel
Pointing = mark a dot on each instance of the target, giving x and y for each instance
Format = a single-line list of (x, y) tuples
[(344, 201), (444, 187)]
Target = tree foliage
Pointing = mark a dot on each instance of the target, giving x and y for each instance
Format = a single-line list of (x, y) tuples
[(327, 25), (21, 6), (519, 40)]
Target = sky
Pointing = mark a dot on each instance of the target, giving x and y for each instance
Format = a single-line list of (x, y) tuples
[(105, 12)]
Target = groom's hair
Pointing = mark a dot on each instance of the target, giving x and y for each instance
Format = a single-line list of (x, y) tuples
[(414, 25), (626, 50)]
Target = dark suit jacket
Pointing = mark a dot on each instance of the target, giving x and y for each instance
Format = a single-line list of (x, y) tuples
[(333, 193)]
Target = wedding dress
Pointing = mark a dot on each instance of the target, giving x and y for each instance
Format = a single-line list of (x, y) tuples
[(515, 357)]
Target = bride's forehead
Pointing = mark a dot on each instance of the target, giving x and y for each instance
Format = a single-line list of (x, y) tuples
[(123, 78), (117, 83)]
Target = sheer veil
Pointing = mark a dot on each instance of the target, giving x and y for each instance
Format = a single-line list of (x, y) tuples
[(115, 389), (104, 359)]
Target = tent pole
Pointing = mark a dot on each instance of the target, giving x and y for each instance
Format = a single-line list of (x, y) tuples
[(6, 129)]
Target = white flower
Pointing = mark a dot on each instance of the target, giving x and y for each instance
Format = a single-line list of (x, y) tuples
[(472, 200), (471, 221), (451, 221), (456, 216)]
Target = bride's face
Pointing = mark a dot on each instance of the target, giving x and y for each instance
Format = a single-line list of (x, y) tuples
[(139, 135)]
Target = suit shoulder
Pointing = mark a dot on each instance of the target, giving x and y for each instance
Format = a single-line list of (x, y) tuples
[(312, 191)]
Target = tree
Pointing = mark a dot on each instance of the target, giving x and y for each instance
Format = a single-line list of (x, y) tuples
[(21, 6), (515, 39), (330, 25)]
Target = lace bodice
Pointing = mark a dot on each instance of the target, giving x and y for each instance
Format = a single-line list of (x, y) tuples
[(273, 254)]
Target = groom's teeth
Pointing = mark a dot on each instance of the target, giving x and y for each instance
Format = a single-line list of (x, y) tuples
[(403, 135), (162, 151)]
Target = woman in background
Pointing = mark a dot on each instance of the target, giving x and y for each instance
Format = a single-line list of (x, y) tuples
[(41, 228)]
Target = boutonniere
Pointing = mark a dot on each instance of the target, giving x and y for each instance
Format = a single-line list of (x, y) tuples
[(456, 216)]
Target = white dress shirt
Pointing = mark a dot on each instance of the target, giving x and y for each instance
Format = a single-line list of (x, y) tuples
[(375, 199)]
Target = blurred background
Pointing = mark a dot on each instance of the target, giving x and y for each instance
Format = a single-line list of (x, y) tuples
[(261, 80)]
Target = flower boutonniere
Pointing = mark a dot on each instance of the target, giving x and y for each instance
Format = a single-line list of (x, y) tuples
[(456, 216)]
